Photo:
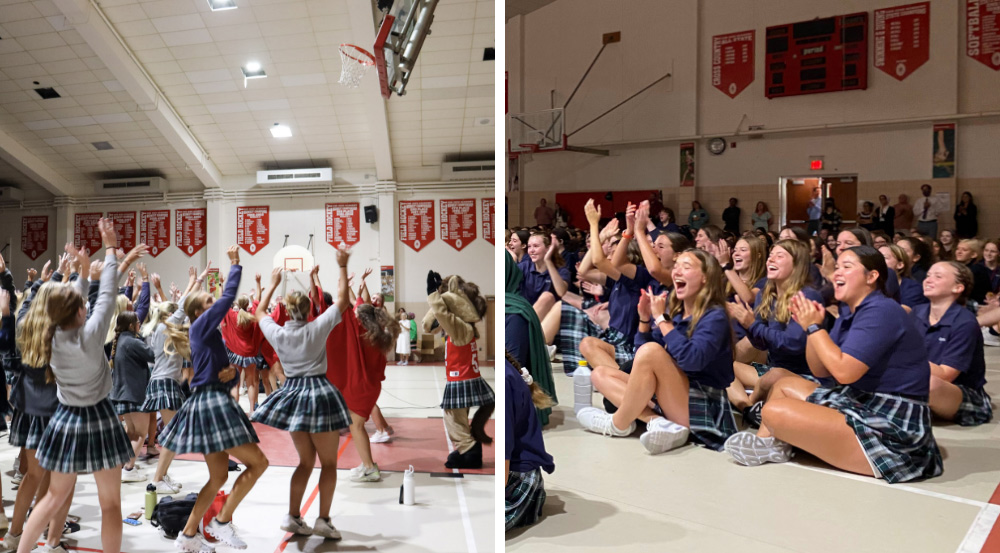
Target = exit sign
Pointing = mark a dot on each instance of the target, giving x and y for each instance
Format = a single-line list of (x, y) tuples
[(816, 163)]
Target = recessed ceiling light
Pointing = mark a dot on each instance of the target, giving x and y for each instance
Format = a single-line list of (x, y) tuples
[(102, 145), (219, 5), (47, 93), (281, 131), (252, 66)]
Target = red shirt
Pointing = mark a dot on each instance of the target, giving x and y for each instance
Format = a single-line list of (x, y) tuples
[(241, 340), (462, 363), (354, 366)]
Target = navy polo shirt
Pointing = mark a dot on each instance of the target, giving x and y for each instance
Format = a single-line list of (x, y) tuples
[(624, 299), (785, 343), (707, 356), (524, 447), (955, 341), (738, 331), (892, 286), (516, 338), (881, 335), (911, 293), (535, 283)]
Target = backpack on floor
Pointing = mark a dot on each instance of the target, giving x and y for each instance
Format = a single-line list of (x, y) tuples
[(170, 515)]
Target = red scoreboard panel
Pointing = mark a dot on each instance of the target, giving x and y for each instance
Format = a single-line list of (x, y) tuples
[(822, 55)]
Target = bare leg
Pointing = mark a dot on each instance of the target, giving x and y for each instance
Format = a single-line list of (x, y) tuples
[(167, 456), (300, 478), (136, 426), (598, 353), (379, 420), (266, 378), (26, 492), (252, 386), (326, 447), (550, 324), (544, 303), (58, 522), (218, 473), (60, 487), (744, 352), (151, 441), (767, 382), (746, 377), (794, 387), (278, 373), (361, 442), (251, 456), (611, 383), (653, 371), (945, 398)]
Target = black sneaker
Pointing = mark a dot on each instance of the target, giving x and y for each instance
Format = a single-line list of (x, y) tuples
[(472, 459), (751, 415)]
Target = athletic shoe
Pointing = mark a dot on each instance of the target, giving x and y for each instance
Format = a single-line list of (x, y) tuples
[(747, 449), (405, 362), (989, 339), (9, 543), (225, 533), (751, 415), (379, 437), (662, 435), (471, 459), (325, 528), (552, 352), (4, 524), (16, 479), (599, 422), (365, 474), (134, 475), (191, 544), (57, 549), (169, 480), (295, 525), (164, 488)]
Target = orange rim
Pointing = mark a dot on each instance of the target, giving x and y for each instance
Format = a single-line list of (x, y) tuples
[(344, 49)]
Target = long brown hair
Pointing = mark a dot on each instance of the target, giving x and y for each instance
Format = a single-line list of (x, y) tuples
[(758, 263), (539, 398), (712, 293), (126, 320), (297, 304), (32, 331), (801, 261), (557, 259), (381, 329), (62, 307)]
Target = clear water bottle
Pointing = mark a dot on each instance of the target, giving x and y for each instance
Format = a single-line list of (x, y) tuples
[(583, 390)]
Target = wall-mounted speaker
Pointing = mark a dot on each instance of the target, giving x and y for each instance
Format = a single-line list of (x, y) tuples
[(371, 214)]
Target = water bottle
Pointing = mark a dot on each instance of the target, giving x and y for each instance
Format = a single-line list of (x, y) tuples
[(582, 388), (408, 486), (150, 500)]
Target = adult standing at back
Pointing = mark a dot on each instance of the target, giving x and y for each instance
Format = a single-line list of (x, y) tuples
[(966, 217), (761, 216), (544, 214), (927, 211), (904, 213), (814, 212), (731, 216), (885, 216), (698, 216)]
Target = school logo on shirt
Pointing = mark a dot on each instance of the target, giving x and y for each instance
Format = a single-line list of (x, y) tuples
[(942, 339), (453, 374)]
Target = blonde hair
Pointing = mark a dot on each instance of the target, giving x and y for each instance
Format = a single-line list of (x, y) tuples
[(158, 315), (975, 245), (62, 306), (177, 342), (801, 260), (121, 304), (758, 263), (244, 318), (539, 398), (32, 331), (900, 255), (712, 293), (297, 304)]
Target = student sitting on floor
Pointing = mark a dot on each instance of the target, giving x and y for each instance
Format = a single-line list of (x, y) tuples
[(524, 452), (954, 346), (683, 365), (874, 420)]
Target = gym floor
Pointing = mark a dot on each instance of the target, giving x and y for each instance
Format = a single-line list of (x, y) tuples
[(451, 513), (608, 494)]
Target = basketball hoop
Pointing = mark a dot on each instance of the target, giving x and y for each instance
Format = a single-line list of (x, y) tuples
[(354, 63)]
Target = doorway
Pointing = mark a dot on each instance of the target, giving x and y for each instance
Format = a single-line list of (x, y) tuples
[(796, 191)]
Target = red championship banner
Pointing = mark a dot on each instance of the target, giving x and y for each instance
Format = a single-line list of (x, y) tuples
[(343, 224), (902, 38), (154, 230), (982, 32), (34, 236), (124, 222), (190, 229), (416, 223), (252, 228), (489, 209), (732, 62), (85, 231), (458, 222)]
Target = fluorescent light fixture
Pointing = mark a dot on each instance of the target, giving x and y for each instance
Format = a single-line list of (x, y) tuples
[(252, 70), (281, 131), (252, 66), (219, 5)]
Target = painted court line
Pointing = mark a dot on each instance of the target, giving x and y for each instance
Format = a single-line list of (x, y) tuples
[(470, 543), (975, 539)]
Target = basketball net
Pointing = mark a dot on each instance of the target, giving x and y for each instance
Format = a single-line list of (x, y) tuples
[(354, 63)]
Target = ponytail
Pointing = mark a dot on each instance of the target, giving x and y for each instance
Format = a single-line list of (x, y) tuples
[(539, 398)]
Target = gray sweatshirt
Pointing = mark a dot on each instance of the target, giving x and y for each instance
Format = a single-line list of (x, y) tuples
[(301, 346), (166, 366), (83, 376)]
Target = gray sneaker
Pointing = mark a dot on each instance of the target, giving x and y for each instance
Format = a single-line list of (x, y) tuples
[(295, 526), (326, 529), (747, 449), (366, 474)]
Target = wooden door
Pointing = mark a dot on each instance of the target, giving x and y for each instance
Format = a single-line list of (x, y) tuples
[(798, 193), (844, 191)]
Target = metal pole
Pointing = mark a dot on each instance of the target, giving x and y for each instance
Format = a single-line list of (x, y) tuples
[(570, 99), (620, 104)]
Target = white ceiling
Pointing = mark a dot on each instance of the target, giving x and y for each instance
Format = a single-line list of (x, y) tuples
[(194, 55), (524, 7)]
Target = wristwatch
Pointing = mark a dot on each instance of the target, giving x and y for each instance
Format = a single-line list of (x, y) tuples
[(812, 329), (727, 267), (660, 319)]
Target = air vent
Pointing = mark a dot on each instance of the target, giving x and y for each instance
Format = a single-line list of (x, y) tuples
[(102, 145), (47, 93), (468, 170), (11, 194), (136, 185), (294, 176)]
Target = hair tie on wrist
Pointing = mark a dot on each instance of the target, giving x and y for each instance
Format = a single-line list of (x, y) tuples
[(526, 376)]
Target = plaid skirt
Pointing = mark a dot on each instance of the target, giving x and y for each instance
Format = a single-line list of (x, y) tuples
[(26, 430), (240, 361), (126, 407), (575, 325), (306, 404), (524, 497), (467, 393), (894, 432), (209, 421), (974, 410), (162, 393), (710, 415), (84, 440)]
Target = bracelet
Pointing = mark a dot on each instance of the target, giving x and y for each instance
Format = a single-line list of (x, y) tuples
[(643, 322), (626, 236)]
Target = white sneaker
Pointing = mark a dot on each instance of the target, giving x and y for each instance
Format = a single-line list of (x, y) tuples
[(16, 479), (192, 544), (366, 475), (989, 339), (134, 475), (169, 480), (662, 435), (379, 437), (9, 543), (552, 352), (747, 449), (405, 362), (295, 525), (326, 529), (225, 533), (598, 421), (164, 488)]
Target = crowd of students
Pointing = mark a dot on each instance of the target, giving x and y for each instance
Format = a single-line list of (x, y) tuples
[(91, 367), (846, 344)]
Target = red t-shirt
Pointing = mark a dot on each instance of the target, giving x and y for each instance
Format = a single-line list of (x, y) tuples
[(241, 340), (461, 362)]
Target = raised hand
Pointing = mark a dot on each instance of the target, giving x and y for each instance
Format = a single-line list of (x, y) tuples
[(314, 272), (234, 255), (644, 310), (256, 277), (276, 276), (80, 256), (205, 272), (366, 273), (343, 254), (120, 254), (32, 274), (630, 216), (591, 288), (3, 265), (135, 253), (47, 271), (609, 230), (96, 268), (64, 263), (741, 312), (108, 234), (192, 273), (155, 279), (593, 212), (642, 216), (142, 271), (657, 305), (723, 252)]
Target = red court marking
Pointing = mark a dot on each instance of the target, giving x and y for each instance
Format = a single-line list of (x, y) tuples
[(992, 544)]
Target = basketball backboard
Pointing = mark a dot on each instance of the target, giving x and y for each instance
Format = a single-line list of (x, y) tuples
[(400, 37), (537, 131)]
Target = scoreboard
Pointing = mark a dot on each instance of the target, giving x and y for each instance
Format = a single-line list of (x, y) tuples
[(822, 55)]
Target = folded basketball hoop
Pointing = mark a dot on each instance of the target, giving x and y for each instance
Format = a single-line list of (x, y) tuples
[(354, 63)]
